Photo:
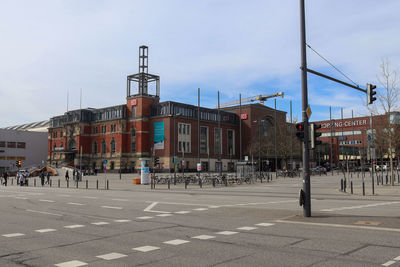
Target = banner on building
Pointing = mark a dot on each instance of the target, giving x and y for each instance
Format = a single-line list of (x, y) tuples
[(159, 135)]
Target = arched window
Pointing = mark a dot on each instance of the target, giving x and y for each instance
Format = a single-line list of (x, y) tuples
[(103, 146), (133, 132), (112, 144), (95, 147)]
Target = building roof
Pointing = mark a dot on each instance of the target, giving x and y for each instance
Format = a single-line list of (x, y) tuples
[(40, 126)]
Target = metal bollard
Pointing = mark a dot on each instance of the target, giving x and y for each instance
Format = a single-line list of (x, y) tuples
[(344, 185), (351, 187), (50, 182), (97, 184), (68, 183), (386, 179), (373, 187), (226, 181), (12, 181), (213, 182), (108, 186), (201, 183), (169, 183), (87, 184), (77, 183), (341, 184), (58, 183), (363, 187), (185, 183), (34, 182)]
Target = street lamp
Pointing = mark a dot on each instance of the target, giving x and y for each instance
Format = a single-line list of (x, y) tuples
[(174, 116)]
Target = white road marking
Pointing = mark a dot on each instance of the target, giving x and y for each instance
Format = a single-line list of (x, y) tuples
[(388, 263), (164, 215), (119, 199), (122, 220), (21, 197), (247, 228), (343, 226), (362, 206), (111, 256), (182, 212), (74, 226), (200, 209), (111, 207), (100, 223), (43, 212), (397, 258), (45, 230), (71, 264), (176, 242), (226, 233), (65, 195), (46, 200), (203, 237), (213, 207), (265, 224), (152, 205), (145, 248), (144, 217), (13, 235), (90, 197), (77, 204), (176, 203)]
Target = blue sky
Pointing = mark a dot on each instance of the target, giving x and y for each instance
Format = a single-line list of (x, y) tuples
[(248, 47)]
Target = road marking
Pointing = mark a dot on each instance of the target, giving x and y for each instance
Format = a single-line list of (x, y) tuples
[(362, 206), (100, 223), (152, 205), (203, 237), (21, 197), (227, 233), (145, 248), (200, 209), (176, 203), (45, 230), (74, 226), (111, 256), (344, 226), (71, 264), (247, 228), (74, 203), (182, 212), (388, 263), (397, 258), (90, 197), (13, 235), (43, 212), (46, 200), (176, 242), (145, 217), (265, 224), (214, 207), (122, 220), (65, 195), (119, 199), (111, 207), (164, 215)]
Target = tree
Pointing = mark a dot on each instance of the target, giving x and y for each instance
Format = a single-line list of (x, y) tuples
[(388, 101)]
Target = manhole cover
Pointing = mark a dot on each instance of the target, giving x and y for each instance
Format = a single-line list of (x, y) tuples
[(367, 223)]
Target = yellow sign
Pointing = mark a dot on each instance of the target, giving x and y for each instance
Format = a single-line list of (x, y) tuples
[(309, 112)]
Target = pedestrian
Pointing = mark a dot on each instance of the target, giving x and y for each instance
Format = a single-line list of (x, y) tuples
[(21, 179), (66, 176), (48, 178), (41, 175), (5, 176)]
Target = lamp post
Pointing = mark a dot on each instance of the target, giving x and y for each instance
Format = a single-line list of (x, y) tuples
[(174, 159)]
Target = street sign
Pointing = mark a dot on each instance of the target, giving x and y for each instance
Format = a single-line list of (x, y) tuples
[(309, 112), (198, 166), (175, 160), (105, 162)]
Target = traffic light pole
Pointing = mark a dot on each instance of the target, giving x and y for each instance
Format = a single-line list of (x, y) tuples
[(304, 101)]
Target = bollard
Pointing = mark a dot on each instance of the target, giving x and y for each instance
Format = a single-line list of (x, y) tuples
[(12, 181), (386, 179), (213, 182), (373, 187), (58, 183), (226, 182), (97, 184), (185, 183), (363, 187), (34, 182), (344, 185), (50, 182), (77, 183), (108, 186), (351, 187), (169, 183), (398, 178), (201, 183), (341, 184), (68, 183), (87, 184)]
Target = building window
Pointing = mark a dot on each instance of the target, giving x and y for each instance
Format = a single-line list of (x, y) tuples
[(55, 135), (62, 145), (133, 149), (112, 146), (55, 147), (72, 144), (103, 146), (113, 128), (11, 144), (95, 147), (231, 142), (112, 165), (2, 144), (21, 145), (61, 134), (104, 129), (217, 141), (179, 146), (133, 132), (133, 112), (180, 128), (203, 140), (184, 137)]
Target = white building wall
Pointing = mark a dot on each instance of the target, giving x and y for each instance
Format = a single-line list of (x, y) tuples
[(35, 150)]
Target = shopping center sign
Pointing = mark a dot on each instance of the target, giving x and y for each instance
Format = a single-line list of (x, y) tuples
[(345, 123)]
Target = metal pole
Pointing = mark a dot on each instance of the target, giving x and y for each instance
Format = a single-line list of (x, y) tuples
[(173, 114), (347, 165), (220, 138), (304, 102), (198, 131), (276, 153), (240, 127), (370, 155), (331, 123), (80, 163), (291, 138), (259, 149)]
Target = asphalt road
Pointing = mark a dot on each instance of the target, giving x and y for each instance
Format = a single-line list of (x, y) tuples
[(247, 225)]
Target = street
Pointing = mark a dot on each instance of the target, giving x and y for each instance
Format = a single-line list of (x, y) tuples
[(259, 224)]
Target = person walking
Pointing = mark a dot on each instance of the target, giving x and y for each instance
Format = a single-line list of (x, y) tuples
[(66, 176), (5, 176), (21, 179), (48, 178), (41, 175)]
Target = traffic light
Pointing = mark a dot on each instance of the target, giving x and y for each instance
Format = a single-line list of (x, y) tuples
[(314, 134), (18, 163), (300, 130), (370, 93), (156, 160)]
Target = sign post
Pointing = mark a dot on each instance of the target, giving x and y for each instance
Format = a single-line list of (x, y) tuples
[(105, 175)]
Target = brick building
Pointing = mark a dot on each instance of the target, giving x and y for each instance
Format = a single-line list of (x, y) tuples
[(128, 134)]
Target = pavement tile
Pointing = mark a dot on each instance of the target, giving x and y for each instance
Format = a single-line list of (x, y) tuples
[(146, 248), (73, 263), (203, 237), (111, 256), (176, 242)]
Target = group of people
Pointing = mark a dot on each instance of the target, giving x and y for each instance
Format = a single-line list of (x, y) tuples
[(42, 176)]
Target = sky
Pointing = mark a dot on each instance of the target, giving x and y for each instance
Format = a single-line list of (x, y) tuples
[(51, 49)]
